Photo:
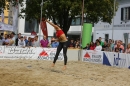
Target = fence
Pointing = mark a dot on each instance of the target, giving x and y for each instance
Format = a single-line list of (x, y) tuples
[(120, 60)]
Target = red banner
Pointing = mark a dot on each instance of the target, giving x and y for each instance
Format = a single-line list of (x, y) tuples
[(44, 28)]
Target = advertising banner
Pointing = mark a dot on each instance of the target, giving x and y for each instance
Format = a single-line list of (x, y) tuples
[(120, 60), (38, 53), (92, 56)]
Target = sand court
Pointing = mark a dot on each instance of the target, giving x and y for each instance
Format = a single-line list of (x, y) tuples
[(39, 73)]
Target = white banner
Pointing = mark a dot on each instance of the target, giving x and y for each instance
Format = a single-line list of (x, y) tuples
[(39, 53), (117, 59), (49, 54), (6, 27), (92, 56)]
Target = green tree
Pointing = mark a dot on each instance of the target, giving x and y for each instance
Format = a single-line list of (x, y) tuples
[(63, 11), (99, 10)]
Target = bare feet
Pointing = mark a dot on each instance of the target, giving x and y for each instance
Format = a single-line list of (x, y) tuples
[(53, 65), (64, 68)]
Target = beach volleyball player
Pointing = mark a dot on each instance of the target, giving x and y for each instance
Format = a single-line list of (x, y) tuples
[(62, 44)]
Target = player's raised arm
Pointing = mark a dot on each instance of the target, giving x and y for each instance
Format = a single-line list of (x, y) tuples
[(52, 24)]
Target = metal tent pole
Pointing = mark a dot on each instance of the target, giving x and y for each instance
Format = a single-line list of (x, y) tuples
[(113, 19), (40, 20)]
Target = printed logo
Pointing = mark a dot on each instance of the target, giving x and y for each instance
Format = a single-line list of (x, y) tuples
[(87, 55), (119, 61), (93, 57), (43, 53)]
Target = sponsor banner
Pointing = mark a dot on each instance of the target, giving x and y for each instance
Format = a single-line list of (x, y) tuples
[(49, 54), (116, 59), (12, 52), (92, 56), (17, 53)]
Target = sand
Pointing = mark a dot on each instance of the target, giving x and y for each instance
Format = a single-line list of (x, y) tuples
[(39, 73)]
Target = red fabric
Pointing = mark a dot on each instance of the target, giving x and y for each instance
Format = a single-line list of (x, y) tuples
[(92, 47), (33, 33), (59, 33), (44, 28)]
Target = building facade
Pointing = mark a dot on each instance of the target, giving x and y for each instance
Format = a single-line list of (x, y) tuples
[(120, 29)]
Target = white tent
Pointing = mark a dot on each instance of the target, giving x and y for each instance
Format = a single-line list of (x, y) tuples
[(5, 27)]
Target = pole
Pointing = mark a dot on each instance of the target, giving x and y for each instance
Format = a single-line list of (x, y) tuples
[(113, 19), (40, 20), (79, 58), (82, 22)]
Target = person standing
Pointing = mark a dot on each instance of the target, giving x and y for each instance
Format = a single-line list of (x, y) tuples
[(21, 42), (12, 42), (25, 39), (62, 44), (101, 43), (17, 39), (44, 42), (36, 42), (98, 47)]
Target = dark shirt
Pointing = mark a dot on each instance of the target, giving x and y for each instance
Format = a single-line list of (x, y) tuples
[(71, 45), (16, 41), (104, 47), (87, 48)]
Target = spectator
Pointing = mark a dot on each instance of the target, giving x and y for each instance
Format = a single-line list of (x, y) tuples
[(87, 47), (2, 35), (71, 44), (119, 47), (51, 41), (55, 43), (110, 41), (77, 45), (21, 42), (44, 42), (29, 44), (108, 48), (98, 47), (92, 46), (1, 40), (104, 46), (9, 37), (101, 43), (96, 42), (17, 39), (32, 42), (36, 42), (10, 40), (112, 45), (25, 39), (5, 40), (128, 49), (12, 43)]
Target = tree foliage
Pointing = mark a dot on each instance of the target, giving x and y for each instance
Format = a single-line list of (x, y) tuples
[(99, 10), (63, 11)]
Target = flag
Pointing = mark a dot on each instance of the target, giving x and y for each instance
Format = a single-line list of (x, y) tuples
[(2, 16), (44, 28), (15, 18)]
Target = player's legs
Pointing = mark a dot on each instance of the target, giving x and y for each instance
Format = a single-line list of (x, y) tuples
[(65, 54), (57, 53)]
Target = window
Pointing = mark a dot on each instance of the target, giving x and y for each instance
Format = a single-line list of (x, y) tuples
[(125, 13), (76, 21), (31, 26)]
